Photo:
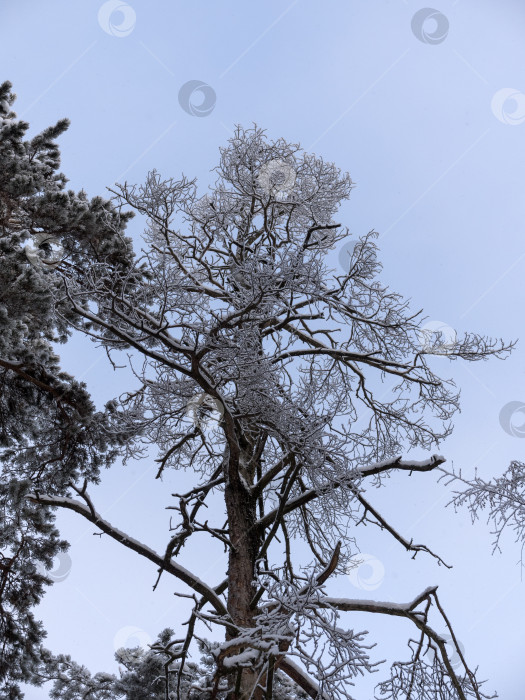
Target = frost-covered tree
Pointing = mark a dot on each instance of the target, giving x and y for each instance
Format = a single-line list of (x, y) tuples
[(145, 675), (259, 368), (502, 498), (50, 432)]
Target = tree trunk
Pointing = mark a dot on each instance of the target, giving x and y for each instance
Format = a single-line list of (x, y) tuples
[(242, 515)]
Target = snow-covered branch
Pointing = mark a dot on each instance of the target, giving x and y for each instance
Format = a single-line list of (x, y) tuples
[(171, 567)]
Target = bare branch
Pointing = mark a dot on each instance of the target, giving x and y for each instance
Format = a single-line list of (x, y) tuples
[(172, 567)]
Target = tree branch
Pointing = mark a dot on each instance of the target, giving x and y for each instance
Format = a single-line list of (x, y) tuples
[(171, 567), (310, 495), (299, 676)]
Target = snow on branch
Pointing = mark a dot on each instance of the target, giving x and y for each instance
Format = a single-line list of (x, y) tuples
[(171, 567)]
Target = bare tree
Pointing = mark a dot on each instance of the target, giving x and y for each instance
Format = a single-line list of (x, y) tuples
[(503, 497), (264, 371)]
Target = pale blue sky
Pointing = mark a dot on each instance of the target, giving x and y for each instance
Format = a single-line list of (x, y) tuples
[(438, 173)]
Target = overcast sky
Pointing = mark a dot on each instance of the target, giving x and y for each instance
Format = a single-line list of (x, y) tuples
[(425, 108)]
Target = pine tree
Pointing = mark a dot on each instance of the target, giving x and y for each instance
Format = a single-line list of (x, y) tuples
[(146, 675), (50, 432)]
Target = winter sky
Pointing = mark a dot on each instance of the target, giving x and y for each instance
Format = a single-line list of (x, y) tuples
[(425, 107)]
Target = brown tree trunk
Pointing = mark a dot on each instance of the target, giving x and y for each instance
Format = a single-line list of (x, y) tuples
[(242, 514)]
